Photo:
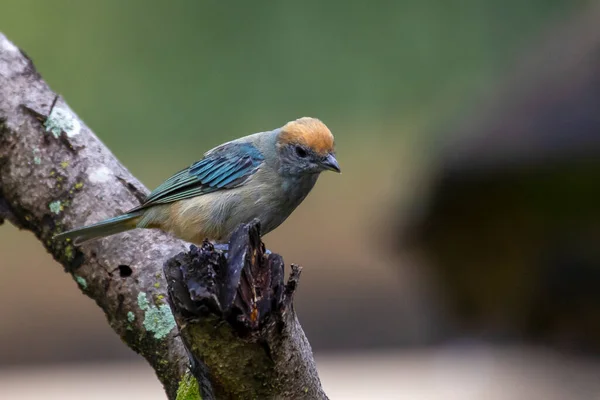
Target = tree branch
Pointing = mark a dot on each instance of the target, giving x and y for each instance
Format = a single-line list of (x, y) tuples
[(56, 175), (236, 316)]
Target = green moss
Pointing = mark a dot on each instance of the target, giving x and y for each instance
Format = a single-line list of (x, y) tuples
[(143, 301), (188, 388), (64, 164), (157, 285), (130, 316), (55, 207), (36, 157), (246, 370), (78, 185), (157, 319), (80, 281), (69, 252), (158, 299), (62, 120)]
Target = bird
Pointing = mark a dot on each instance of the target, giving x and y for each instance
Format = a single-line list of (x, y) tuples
[(262, 176)]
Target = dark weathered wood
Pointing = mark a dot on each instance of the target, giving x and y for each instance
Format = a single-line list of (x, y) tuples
[(56, 175), (236, 317)]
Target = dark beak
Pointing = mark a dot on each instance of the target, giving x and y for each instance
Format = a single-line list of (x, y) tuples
[(331, 163)]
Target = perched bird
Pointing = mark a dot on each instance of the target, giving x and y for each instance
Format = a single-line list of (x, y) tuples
[(265, 175)]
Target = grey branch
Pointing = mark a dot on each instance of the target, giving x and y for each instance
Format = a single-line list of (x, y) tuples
[(56, 175)]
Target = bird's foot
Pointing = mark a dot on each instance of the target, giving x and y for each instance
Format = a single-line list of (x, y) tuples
[(224, 247)]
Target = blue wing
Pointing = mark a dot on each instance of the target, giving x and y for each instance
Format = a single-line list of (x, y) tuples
[(225, 167)]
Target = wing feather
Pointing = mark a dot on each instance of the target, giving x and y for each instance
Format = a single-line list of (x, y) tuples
[(225, 167)]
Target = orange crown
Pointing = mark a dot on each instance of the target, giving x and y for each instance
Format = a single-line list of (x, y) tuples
[(310, 132)]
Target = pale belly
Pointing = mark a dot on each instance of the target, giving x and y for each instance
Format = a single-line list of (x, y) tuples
[(215, 216)]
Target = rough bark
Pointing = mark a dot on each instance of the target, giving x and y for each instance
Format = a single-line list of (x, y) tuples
[(56, 175), (240, 305)]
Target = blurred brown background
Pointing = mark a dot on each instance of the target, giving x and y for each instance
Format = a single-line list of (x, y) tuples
[(456, 257)]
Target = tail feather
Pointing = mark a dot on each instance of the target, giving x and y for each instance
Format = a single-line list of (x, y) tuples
[(101, 229)]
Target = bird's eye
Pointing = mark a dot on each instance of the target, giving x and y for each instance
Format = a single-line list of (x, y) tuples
[(300, 152)]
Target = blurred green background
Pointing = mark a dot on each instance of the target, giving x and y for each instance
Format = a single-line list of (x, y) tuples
[(162, 82), (150, 75)]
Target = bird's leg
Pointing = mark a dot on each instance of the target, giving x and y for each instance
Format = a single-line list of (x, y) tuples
[(224, 247)]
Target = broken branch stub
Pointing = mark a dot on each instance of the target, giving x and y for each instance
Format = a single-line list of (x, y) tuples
[(237, 320)]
